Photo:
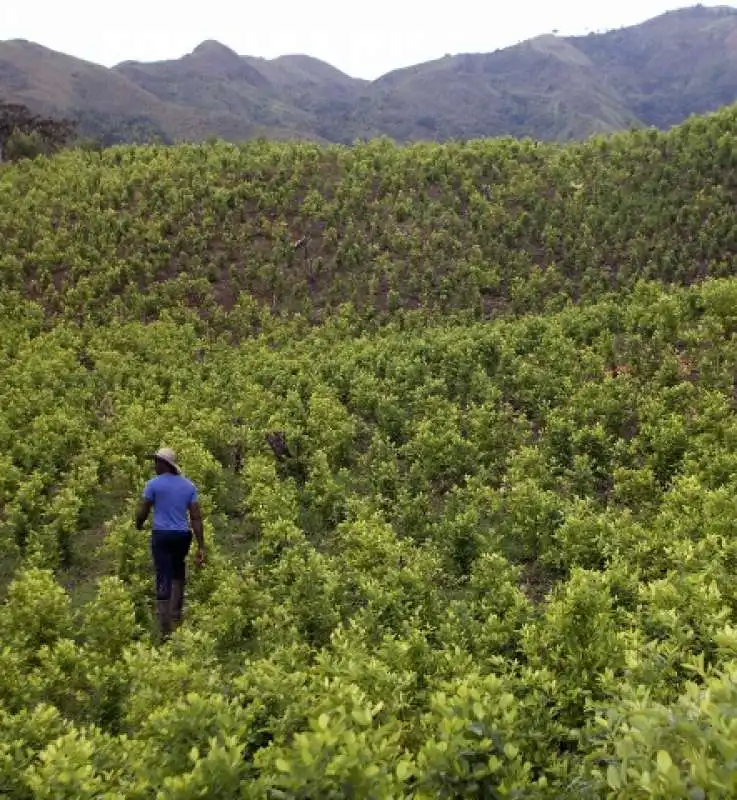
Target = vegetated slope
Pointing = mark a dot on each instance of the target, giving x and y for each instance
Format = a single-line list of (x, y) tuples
[(487, 227), (545, 88), (653, 64), (109, 106), (499, 559), (219, 83), (60, 85), (549, 88)]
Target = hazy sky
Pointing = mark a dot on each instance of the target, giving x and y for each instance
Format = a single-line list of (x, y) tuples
[(365, 40)]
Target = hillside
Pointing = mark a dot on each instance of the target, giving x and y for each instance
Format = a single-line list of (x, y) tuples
[(487, 228), (108, 105), (549, 88), (498, 559)]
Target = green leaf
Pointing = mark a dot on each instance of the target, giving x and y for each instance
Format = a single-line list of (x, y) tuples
[(283, 765), (506, 700), (362, 716), (404, 770), (664, 761), (511, 750), (613, 778)]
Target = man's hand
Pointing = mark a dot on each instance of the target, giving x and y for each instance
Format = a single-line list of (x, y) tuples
[(195, 516), (144, 509)]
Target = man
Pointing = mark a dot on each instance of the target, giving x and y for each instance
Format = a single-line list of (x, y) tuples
[(172, 497)]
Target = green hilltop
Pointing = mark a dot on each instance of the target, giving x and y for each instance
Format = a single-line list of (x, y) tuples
[(499, 559), (487, 227)]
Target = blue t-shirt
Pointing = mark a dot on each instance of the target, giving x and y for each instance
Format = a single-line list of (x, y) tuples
[(171, 496)]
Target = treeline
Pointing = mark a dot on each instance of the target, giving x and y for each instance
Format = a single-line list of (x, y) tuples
[(26, 135)]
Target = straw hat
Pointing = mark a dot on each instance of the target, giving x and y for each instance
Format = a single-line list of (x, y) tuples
[(168, 456)]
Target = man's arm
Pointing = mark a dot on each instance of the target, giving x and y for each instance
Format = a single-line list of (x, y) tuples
[(144, 509), (195, 516)]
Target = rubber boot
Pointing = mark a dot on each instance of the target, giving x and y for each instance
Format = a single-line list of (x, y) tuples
[(177, 602), (163, 614)]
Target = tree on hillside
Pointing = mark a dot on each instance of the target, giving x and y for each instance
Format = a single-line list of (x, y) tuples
[(36, 134)]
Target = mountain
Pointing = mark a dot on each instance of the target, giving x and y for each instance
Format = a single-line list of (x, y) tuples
[(550, 87)]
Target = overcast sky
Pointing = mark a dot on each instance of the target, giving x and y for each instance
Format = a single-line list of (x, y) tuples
[(365, 40)]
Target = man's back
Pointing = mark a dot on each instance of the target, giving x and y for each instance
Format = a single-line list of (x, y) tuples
[(171, 496)]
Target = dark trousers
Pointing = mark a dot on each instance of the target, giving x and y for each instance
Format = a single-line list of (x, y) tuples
[(169, 550)]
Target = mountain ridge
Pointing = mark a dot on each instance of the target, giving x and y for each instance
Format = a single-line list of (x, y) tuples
[(548, 87)]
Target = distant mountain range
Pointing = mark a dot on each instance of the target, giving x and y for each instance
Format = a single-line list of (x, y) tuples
[(552, 88)]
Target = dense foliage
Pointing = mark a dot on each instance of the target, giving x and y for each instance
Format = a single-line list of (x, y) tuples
[(484, 227), (24, 134), (500, 560)]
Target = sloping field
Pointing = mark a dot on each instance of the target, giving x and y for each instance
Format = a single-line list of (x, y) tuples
[(499, 560)]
